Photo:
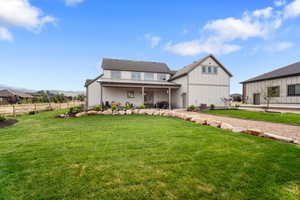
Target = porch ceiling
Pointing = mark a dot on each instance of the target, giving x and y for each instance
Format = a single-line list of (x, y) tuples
[(149, 84)]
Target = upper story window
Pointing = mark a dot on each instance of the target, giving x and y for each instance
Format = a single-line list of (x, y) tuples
[(115, 75), (209, 70), (294, 90), (149, 76), (162, 77), (274, 91), (135, 75)]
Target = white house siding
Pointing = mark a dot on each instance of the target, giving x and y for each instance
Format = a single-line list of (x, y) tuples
[(93, 94), (126, 75), (207, 88), (177, 101), (261, 87)]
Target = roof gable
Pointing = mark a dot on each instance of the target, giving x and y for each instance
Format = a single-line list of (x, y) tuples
[(187, 69), (290, 70), (130, 65)]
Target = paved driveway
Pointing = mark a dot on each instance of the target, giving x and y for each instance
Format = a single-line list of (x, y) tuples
[(290, 131)]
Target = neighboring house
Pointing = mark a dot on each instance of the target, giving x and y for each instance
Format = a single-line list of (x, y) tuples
[(281, 86), (236, 97), (12, 97), (205, 81)]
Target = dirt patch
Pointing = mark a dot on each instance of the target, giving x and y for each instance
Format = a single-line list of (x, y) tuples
[(7, 123)]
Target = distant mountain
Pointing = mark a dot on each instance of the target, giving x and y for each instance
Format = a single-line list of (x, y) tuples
[(66, 93)]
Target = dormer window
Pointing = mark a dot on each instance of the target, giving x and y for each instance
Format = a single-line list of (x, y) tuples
[(149, 76), (116, 75), (162, 77), (209, 70), (135, 75)]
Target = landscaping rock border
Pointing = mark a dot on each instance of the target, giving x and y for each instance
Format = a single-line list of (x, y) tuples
[(195, 119)]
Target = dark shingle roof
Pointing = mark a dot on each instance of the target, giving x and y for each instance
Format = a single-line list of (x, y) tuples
[(10, 93), (90, 81), (290, 70), (192, 66), (130, 65)]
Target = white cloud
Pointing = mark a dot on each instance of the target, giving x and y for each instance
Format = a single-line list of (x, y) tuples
[(154, 40), (196, 47), (21, 13), (266, 12), (5, 34), (279, 3), (280, 46), (292, 10), (73, 2)]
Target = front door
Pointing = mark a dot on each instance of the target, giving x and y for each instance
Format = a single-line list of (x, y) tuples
[(256, 99), (149, 98)]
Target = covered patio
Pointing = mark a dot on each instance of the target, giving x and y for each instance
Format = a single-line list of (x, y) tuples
[(149, 94)]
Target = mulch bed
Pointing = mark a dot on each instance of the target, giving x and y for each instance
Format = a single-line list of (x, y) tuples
[(8, 122)]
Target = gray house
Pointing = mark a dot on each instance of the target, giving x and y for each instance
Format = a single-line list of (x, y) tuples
[(281, 86), (205, 81)]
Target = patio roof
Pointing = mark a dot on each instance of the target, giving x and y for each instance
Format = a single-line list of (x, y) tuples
[(134, 83)]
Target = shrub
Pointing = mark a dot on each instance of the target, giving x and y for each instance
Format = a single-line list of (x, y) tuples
[(2, 118), (128, 107), (191, 108), (114, 107), (74, 110), (32, 112), (212, 106), (142, 107), (98, 108)]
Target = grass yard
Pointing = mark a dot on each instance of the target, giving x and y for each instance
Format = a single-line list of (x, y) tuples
[(141, 157), (286, 118)]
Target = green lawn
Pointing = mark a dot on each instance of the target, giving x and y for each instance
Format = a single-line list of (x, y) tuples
[(141, 157), (286, 118)]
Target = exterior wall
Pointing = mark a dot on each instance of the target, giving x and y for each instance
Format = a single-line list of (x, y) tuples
[(126, 75), (177, 99), (93, 94), (207, 88), (261, 87)]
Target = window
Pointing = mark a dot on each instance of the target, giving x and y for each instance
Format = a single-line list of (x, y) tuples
[(135, 75), (204, 69), (274, 91), (115, 75), (149, 76), (215, 70), (294, 90), (130, 94), (162, 77), (209, 69)]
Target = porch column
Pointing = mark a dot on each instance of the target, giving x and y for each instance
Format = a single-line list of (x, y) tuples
[(101, 94), (170, 99), (143, 95)]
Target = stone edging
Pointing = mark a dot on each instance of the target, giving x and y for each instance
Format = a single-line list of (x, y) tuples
[(195, 119)]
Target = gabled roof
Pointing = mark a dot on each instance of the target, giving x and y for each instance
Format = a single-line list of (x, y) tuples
[(130, 65), (90, 81), (10, 93), (290, 70), (184, 71)]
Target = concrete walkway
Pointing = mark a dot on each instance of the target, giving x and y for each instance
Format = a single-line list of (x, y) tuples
[(285, 130)]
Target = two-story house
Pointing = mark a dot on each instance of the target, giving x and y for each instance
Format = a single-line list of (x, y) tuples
[(205, 81)]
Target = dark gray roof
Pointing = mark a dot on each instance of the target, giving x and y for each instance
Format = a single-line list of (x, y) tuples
[(290, 70), (192, 66), (90, 81), (10, 93), (130, 65)]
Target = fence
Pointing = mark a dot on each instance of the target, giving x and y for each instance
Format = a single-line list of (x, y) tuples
[(19, 109)]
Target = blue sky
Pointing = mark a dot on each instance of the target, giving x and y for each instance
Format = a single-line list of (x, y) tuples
[(57, 44)]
